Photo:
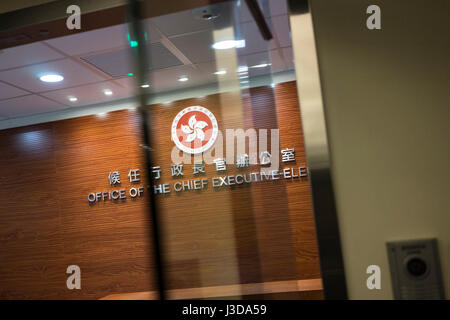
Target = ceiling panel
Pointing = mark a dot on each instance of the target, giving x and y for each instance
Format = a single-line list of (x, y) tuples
[(197, 46), (108, 50), (118, 63), (167, 79), (90, 94), (27, 105), (26, 55), (96, 40), (277, 7), (28, 77), (7, 91), (257, 59), (190, 20), (282, 30), (273, 58), (270, 8), (254, 42), (279, 26), (288, 56)]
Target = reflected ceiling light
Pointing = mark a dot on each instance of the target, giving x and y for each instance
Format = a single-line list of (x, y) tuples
[(101, 114), (262, 65), (183, 78), (245, 81), (107, 92), (145, 85), (228, 44), (242, 69), (73, 99), (243, 77), (272, 85), (220, 72), (52, 78)]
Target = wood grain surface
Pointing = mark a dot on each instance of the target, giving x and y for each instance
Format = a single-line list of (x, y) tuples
[(263, 232), (261, 290)]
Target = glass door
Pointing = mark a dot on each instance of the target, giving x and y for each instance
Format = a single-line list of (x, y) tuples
[(230, 182), (155, 152)]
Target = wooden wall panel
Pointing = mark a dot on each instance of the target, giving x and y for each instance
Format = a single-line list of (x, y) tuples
[(30, 228), (241, 234)]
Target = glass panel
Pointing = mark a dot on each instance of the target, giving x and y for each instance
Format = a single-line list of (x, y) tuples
[(68, 141), (231, 181), (226, 175)]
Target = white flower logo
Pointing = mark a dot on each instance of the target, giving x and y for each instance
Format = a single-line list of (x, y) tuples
[(194, 129), (183, 134)]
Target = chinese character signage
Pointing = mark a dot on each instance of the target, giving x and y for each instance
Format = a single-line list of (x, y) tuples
[(198, 168), (194, 131)]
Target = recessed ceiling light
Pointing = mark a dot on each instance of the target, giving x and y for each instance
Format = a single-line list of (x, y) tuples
[(145, 86), (228, 44), (183, 79), (73, 99), (108, 92), (52, 78), (220, 72), (262, 65)]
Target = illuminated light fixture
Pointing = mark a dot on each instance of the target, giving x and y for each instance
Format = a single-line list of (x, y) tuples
[(52, 78), (243, 77), (220, 72), (228, 44), (133, 43), (145, 86), (130, 74), (183, 79), (73, 99), (262, 65), (245, 81), (272, 85), (107, 92), (242, 69)]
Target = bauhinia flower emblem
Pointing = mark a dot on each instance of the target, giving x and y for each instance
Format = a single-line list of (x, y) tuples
[(194, 129)]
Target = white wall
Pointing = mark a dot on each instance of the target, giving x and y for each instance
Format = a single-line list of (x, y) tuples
[(386, 94)]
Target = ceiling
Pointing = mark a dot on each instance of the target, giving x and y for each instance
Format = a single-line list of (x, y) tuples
[(179, 45)]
